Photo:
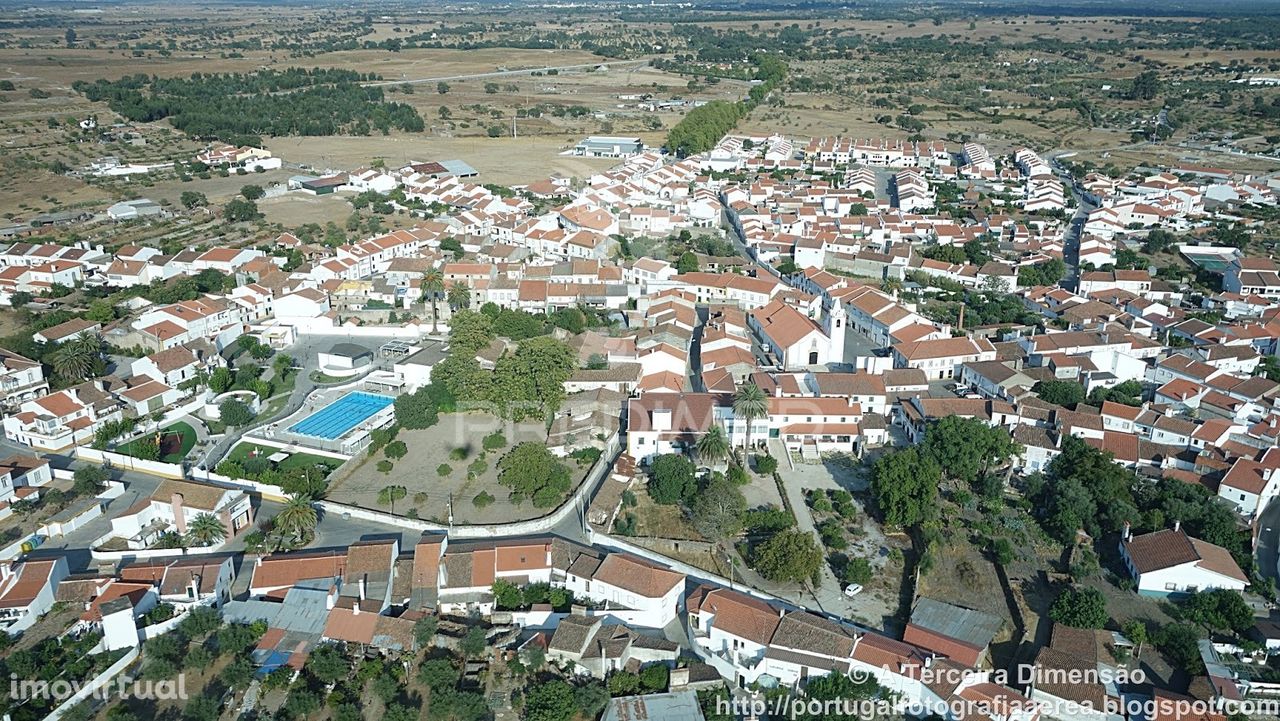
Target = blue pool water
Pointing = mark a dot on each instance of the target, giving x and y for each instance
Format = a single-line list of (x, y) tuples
[(340, 416)]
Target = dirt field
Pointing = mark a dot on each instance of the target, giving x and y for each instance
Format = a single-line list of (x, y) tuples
[(294, 209), (499, 160), (429, 492)]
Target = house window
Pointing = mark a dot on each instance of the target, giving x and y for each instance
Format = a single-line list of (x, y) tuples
[(1170, 587)]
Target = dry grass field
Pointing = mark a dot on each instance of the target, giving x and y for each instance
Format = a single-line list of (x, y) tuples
[(297, 209), (993, 100)]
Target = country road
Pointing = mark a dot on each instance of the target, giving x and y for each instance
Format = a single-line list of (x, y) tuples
[(505, 73)]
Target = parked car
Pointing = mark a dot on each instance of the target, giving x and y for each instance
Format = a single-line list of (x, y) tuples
[(852, 589)]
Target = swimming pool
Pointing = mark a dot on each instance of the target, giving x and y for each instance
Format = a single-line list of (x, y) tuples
[(334, 420)]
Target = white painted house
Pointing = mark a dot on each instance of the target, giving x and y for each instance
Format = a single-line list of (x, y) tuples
[(1250, 485), (1170, 562)]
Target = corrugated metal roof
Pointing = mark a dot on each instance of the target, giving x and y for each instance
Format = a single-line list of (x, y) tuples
[(962, 624)]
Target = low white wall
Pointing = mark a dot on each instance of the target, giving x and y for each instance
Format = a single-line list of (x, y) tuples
[(577, 503), (62, 528), (364, 514), (15, 549), (96, 683), (153, 553), (119, 460), (212, 407), (189, 408), (368, 330), (114, 489)]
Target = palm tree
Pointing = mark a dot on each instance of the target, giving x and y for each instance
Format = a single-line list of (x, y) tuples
[(433, 286), (713, 447), (170, 540), (76, 359), (459, 296), (206, 530), (390, 494), (256, 542), (298, 518), (750, 403)]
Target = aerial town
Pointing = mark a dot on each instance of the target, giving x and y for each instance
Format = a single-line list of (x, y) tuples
[(418, 363)]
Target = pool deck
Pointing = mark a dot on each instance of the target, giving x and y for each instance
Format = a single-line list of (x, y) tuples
[(316, 401), (338, 418)]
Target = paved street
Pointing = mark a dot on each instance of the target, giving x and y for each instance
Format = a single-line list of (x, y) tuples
[(1268, 550), (75, 545)]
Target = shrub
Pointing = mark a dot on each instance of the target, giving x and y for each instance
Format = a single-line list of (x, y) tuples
[(625, 524), (832, 535), (1080, 608), (235, 413), (478, 467), (385, 466), (494, 441), (396, 449), (482, 499), (1003, 551), (766, 465), (443, 470), (857, 571), (586, 456), (459, 454)]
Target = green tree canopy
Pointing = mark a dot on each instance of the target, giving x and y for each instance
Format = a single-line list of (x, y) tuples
[(967, 447), (687, 263), (1219, 609), (717, 510), (791, 555), (551, 701), (1080, 607), (1061, 393), (905, 485), (235, 412), (671, 479), (469, 332), (239, 210), (531, 471), (533, 376), (1046, 273)]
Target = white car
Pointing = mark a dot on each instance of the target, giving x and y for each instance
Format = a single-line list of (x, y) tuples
[(852, 589)]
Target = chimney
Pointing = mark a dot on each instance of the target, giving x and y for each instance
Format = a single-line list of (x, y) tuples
[(1177, 525), (1126, 533), (661, 419), (179, 519), (362, 588)]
